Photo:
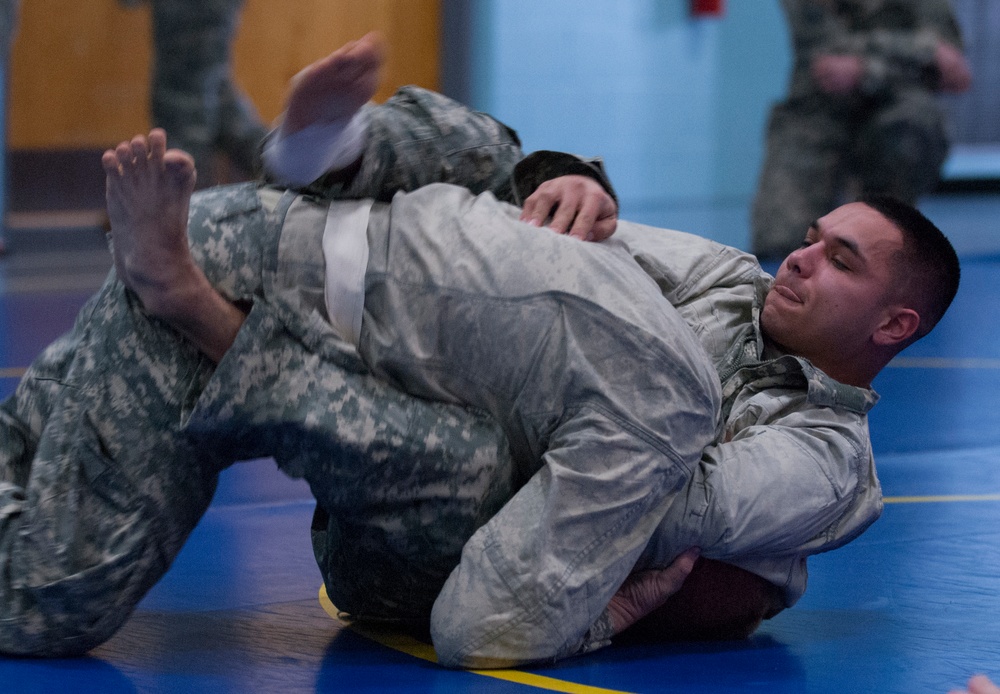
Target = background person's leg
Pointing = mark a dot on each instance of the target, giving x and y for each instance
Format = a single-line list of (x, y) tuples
[(193, 96), (800, 178), (901, 149)]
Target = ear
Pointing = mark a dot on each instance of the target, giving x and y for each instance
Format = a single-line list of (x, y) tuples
[(898, 327)]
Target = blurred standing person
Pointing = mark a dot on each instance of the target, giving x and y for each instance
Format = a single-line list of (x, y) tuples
[(192, 94), (861, 115), (8, 25)]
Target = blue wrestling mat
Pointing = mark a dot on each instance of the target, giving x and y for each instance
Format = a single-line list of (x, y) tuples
[(911, 606)]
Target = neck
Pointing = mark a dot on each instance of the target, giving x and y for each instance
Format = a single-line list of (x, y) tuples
[(857, 369), (854, 374)]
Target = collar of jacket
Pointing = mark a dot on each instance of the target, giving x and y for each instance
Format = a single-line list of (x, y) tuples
[(746, 365)]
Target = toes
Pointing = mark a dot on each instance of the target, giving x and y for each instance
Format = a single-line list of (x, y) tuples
[(140, 154), (179, 166), (109, 160), (139, 148), (157, 143), (123, 153)]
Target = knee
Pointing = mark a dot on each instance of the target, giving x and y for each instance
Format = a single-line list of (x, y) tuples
[(34, 633)]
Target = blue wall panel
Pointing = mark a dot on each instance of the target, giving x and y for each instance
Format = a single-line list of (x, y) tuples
[(675, 105)]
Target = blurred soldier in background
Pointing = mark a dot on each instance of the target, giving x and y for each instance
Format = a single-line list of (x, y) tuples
[(193, 96), (8, 24), (861, 116)]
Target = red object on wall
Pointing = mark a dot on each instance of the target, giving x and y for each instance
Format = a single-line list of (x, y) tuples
[(708, 8)]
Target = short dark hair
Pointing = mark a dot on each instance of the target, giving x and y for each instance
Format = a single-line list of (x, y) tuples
[(927, 269)]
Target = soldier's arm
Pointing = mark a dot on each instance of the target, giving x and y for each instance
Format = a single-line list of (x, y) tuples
[(419, 137)]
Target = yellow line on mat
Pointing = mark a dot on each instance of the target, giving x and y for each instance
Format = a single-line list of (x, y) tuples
[(943, 363), (418, 649), (939, 499), (14, 372)]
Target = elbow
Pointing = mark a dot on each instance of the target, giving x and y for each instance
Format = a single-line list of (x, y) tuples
[(469, 639)]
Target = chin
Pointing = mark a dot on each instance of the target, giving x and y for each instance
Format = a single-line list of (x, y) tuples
[(776, 332)]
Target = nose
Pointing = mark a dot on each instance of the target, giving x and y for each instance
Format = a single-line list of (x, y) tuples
[(801, 261)]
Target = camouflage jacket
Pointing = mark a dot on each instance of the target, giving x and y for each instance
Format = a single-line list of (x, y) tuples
[(784, 420), (790, 474), (896, 39), (793, 473)]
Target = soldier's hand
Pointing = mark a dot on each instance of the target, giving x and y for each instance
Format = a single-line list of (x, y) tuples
[(953, 69), (838, 74), (574, 205), (644, 591)]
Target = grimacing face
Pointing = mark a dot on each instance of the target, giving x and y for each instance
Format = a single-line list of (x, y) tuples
[(830, 296)]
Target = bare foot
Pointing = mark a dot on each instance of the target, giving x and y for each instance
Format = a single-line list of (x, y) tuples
[(335, 87), (148, 191)]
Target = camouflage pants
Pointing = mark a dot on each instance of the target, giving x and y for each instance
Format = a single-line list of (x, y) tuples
[(417, 137), (97, 489), (111, 445), (193, 95), (9, 10), (818, 157)]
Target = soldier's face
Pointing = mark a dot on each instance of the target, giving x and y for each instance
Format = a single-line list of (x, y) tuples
[(831, 295)]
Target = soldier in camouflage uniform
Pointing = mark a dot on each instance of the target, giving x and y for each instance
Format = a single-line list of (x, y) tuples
[(286, 410), (93, 506), (8, 26), (861, 115), (192, 95), (103, 475)]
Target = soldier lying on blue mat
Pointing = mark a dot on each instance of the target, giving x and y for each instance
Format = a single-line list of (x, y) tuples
[(514, 435)]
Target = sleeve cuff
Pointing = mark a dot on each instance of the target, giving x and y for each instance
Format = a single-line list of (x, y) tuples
[(300, 158), (544, 165), (599, 635)]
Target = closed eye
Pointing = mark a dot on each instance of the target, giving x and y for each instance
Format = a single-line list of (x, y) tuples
[(840, 265)]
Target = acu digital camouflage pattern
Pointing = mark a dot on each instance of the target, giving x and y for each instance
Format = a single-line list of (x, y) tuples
[(114, 439), (111, 446), (8, 26), (889, 138), (401, 482), (98, 490), (418, 137)]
